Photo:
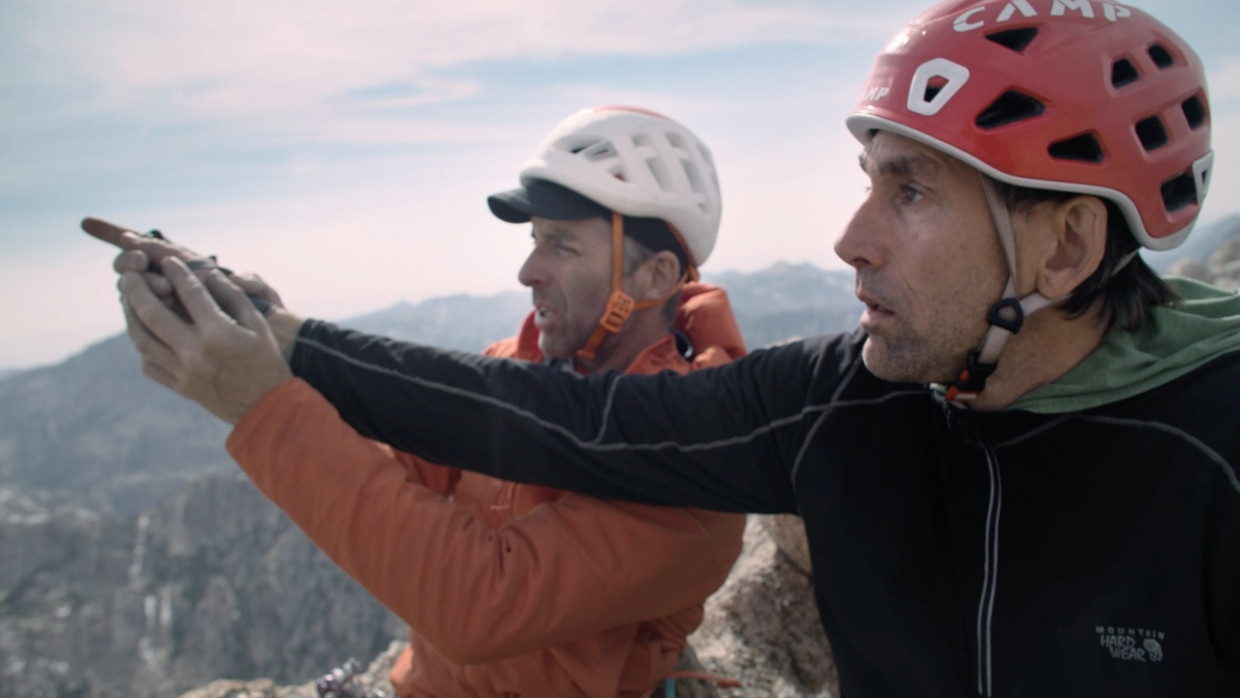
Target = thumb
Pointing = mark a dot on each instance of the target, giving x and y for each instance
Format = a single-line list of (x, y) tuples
[(234, 301)]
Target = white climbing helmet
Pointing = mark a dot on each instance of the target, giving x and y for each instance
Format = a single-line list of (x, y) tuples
[(636, 163)]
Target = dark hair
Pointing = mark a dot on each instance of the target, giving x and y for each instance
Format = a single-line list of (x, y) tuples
[(1128, 292), (655, 235)]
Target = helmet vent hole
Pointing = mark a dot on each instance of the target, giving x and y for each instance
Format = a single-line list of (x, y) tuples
[(1161, 56), (1178, 192), (1123, 72), (1194, 112), (1082, 148), (694, 176), (1016, 39), (1151, 133), (1010, 108), (676, 140), (933, 87), (600, 150)]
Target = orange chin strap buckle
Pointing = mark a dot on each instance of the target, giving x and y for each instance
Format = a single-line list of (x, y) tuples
[(619, 307)]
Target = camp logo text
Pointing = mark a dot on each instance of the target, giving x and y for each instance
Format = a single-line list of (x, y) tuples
[(978, 17)]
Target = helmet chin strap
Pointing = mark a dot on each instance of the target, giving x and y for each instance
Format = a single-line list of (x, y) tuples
[(620, 305), (1005, 317)]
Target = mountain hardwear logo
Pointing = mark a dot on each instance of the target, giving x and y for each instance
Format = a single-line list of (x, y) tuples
[(1131, 644)]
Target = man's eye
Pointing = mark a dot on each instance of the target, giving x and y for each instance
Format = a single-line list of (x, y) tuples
[(910, 194)]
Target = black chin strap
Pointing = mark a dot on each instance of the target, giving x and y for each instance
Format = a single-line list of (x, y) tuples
[(1006, 315)]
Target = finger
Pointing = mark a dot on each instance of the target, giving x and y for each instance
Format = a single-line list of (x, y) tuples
[(131, 260), (108, 232), (159, 320), (147, 345), (234, 301), (160, 285), (137, 261), (204, 310), (157, 249), (254, 285)]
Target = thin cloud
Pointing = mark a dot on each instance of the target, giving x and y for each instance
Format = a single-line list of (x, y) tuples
[(236, 56)]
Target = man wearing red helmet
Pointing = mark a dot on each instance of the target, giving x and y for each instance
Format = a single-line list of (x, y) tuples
[(1019, 475)]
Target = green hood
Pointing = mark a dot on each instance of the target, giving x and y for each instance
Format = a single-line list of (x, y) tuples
[(1175, 341)]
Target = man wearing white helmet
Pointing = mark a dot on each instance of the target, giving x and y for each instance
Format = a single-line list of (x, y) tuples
[(516, 590), (1019, 476)]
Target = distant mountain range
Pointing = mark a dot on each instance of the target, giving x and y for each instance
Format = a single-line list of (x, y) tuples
[(92, 433), (770, 305)]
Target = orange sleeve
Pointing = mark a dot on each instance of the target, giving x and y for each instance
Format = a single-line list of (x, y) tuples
[(477, 594), (438, 478)]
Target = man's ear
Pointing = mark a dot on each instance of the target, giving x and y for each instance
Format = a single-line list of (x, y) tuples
[(1077, 240), (657, 276)]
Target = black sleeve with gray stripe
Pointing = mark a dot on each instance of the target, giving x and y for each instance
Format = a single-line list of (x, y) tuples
[(718, 439)]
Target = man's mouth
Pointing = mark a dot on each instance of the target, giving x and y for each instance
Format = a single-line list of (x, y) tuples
[(875, 310), (872, 303), (543, 314)]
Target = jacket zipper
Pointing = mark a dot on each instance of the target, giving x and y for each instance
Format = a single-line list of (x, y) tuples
[(990, 576)]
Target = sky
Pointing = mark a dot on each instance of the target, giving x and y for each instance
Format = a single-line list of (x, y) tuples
[(344, 151)]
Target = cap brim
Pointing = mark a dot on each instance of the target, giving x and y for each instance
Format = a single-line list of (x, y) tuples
[(545, 200)]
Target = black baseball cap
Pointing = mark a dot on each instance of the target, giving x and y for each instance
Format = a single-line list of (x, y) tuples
[(545, 199)]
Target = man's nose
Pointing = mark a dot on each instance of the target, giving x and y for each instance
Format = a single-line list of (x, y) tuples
[(532, 271), (858, 244)]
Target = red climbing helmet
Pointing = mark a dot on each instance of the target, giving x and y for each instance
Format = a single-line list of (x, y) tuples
[(1071, 95)]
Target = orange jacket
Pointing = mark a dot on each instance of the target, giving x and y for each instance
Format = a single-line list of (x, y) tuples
[(508, 589)]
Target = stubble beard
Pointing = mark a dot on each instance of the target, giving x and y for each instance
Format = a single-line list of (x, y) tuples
[(912, 361)]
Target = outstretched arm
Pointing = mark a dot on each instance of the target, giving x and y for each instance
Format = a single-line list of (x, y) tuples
[(723, 439)]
